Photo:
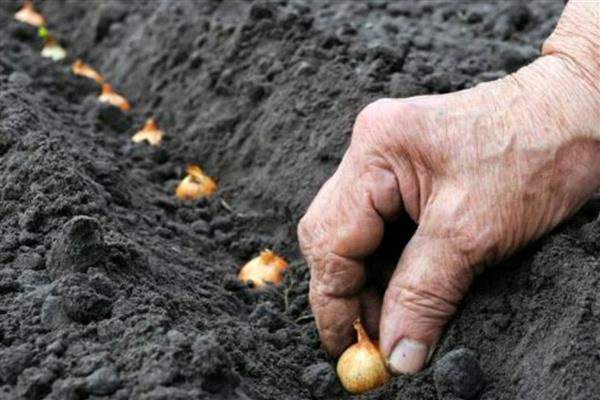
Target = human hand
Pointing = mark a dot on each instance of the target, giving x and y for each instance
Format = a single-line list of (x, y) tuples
[(483, 172)]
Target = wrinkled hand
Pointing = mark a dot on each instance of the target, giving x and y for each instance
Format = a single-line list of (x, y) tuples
[(483, 172)]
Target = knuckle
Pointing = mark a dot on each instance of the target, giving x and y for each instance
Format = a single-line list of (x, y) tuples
[(310, 231), (388, 122), (369, 118), (311, 239), (303, 231)]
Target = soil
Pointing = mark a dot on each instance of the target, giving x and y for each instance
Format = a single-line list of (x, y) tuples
[(112, 288)]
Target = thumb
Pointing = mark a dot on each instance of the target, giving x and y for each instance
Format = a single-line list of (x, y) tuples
[(431, 278)]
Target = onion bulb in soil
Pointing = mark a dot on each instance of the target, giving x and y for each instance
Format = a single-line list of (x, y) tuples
[(79, 68), (53, 50), (150, 133), (110, 97), (28, 15), (195, 185), (362, 367), (267, 267)]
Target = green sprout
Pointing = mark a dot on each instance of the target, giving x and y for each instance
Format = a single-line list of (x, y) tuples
[(43, 32)]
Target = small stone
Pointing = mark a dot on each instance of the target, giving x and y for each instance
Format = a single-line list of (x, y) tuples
[(458, 373), (102, 382), (321, 380)]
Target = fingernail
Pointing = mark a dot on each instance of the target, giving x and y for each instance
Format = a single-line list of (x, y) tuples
[(408, 357)]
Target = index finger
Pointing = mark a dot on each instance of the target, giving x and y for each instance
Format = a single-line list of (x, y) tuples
[(340, 228)]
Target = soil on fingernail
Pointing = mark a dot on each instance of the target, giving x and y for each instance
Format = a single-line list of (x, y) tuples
[(111, 287)]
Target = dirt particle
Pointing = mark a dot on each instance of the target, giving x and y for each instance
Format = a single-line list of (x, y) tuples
[(79, 247), (83, 300), (213, 364), (103, 381), (321, 380), (52, 314), (305, 69), (14, 360), (35, 383)]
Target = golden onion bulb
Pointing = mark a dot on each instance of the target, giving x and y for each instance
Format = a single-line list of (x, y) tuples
[(150, 133), (195, 185), (267, 267), (28, 15), (53, 50), (362, 367), (79, 68), (110, 97)]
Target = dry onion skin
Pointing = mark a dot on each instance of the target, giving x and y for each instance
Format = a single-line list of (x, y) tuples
[(195, 185), (151, 133), (28, 15), (110, 97), (362, 367), (82, 69), (267, 267), (53, 50)]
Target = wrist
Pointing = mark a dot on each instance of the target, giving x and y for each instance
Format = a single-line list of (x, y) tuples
[(570, 100), (576, 38), (567, 109)]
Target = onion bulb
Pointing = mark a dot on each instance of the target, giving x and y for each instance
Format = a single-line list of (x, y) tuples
[(267, 267), (28, 15), (110, 97), (53, 50), (362, 367), (195, 185), (150, 133), (79, 68)]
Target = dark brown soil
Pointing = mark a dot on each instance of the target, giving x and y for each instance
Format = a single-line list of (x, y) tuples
[(112, 288)]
